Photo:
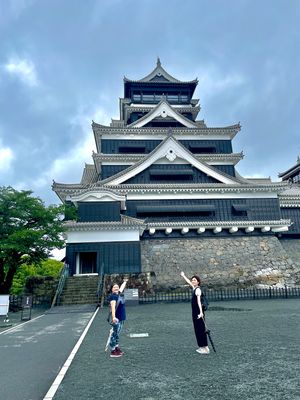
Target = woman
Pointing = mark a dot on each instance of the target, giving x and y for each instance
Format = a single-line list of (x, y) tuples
[(198, 314), (118, 316)]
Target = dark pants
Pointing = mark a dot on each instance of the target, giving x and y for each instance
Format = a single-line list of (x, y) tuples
[(199, 328)]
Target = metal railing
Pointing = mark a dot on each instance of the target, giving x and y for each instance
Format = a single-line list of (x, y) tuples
[(100, 286), (222, 295), (15, 302), (62, 279)]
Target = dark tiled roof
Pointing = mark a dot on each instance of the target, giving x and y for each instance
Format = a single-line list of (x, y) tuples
[(159, 74), (89, 174)]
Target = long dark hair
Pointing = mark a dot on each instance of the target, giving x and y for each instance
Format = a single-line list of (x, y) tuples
[(198, 279)]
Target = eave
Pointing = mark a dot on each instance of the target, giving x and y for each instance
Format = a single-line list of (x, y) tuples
[(201, 188), (224, 133), (129, 109), (291, 171), (126, 223), (265, 226), (290, 200), (64, 190), (211, 159)]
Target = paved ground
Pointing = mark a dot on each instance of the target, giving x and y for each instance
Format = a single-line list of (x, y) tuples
[(258, 355), (32, 353), (15, 318)]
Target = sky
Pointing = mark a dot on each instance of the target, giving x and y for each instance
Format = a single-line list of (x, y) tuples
[(62, 64)]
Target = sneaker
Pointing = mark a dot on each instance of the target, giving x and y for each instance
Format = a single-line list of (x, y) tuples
[(115, 353), (203, 350), (119, 350)]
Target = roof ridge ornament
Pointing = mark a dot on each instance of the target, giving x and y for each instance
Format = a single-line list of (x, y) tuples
[(158, 63)]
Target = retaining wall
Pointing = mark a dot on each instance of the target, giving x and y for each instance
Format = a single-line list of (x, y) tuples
[(220, 262)]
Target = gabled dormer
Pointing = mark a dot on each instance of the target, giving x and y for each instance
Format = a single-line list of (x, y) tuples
[(179, 162), (163, 115)]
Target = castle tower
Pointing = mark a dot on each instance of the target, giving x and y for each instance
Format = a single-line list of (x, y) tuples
[(161, 176)]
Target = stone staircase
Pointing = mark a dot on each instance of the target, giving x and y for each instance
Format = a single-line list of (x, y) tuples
[(80, 290)]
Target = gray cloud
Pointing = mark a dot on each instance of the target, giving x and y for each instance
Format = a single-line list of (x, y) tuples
[(61, 69)]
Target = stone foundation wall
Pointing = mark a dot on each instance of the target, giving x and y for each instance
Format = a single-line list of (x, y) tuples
[(220, 262), (141, 281), (41, 285), (292, 247)]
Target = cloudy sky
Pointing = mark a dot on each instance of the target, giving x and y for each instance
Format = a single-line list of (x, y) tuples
[(62, 64)]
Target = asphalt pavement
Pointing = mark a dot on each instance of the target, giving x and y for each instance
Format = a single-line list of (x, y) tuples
[(33, 352), (257, 357)]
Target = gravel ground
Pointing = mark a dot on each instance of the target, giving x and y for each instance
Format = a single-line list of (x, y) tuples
[(257, 355)]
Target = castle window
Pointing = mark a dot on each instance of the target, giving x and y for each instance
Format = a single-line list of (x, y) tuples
[(148, 98), (184, 98), (240, 210), (173, 98), (176, 174), (202, 148), (137, 97), (132, 149), (204, 210)]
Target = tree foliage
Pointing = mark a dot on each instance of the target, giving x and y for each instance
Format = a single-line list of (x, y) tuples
[(48, 267), (29, 231)]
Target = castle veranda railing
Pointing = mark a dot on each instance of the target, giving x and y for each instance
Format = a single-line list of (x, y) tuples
[(222, 295)]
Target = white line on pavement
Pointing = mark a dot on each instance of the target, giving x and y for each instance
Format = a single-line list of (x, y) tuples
[(57, 381), (21, 324)]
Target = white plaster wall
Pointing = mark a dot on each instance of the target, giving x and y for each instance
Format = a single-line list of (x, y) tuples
[(103, 236)]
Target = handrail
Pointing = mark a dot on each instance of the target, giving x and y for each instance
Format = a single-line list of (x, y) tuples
[(100, 287), (61, 283), (103, 290)]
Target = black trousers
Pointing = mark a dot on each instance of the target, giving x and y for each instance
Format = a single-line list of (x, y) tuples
[(199, 328)]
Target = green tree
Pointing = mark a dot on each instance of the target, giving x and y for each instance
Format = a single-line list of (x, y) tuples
[(29, 231), (48, 267)]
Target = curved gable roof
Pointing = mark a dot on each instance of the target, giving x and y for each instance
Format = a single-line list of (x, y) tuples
[(159, 74), (163, 109), (291, 171), (169, 148)]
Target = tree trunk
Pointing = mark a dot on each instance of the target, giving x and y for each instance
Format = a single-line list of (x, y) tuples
[(6, 281), (2, 278)]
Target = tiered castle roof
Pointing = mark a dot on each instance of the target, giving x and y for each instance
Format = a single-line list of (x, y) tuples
[(158, 136)]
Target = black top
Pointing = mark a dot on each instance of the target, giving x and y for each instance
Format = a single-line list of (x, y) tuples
[(195, 306)]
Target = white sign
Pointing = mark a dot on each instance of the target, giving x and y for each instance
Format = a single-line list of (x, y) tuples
[(4, 304), (138, 335)]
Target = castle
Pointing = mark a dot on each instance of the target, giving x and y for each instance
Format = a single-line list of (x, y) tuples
[(163, 194)]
